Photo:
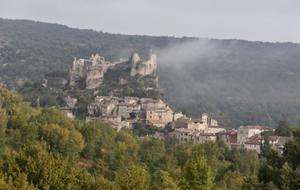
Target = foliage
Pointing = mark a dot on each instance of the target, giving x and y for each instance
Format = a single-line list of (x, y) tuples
[(197, 175), (283, 129), (133, 178), (43, 149)]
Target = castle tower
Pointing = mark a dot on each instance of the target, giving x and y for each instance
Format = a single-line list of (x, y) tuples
[(205, 118), (153, 64), (135, 61)]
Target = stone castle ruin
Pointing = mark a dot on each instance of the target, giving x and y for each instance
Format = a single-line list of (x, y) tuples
[(91, 71), (142, 68)]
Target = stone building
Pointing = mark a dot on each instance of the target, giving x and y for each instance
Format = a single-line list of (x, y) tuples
[(148, 103), (254, 143), (103, 106), (142, 68), (204, 123), (196, 130), (88, 71), (128, 110), (245, 132), (228, 137), (187, 135), (159, 117)]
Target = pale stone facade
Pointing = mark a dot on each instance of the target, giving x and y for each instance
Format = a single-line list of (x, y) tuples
[(159, 117), (205, 123), (254, 143), (197, 130), (139, 67), (103, 106), (244, 132), (187, 135), (91, 71), (197, 125), (128, 110)]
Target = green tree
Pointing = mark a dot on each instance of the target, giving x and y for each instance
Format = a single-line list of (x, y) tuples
[(9, 98), (62, 140), (43, 169), (151, 152), (133, 177), (232, 180), (3, 125), (165, 182), (20, 182), (197, 175), (20, 114), (250, 183), (283, 129)]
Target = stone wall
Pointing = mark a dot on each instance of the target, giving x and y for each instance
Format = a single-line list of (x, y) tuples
[(91, 71), (142, 68)]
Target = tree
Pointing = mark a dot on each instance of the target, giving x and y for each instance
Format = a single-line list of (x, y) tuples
[(292, 150), (151, 152), (20, 114), (9, 98), (250, 183), (43, 169), (53, 116), (62, 140), (197, 175), (283, 129), (6, 183), (232, 180), (3, 125), (165, 182), (133, 177)]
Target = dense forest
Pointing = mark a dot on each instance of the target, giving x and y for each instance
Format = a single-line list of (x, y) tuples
[(42, 149), (238, 82)]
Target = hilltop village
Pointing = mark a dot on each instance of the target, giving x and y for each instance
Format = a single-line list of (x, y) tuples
[(126, 111)]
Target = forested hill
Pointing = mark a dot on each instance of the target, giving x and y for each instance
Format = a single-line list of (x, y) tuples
[(239, 82), (40, 148)]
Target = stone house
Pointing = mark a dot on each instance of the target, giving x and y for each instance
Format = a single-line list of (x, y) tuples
[(128, 110), (254, 143), (187, 135), (159, 116), (244, 132), (228, 137)]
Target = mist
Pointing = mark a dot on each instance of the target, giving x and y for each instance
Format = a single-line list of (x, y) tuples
[(232, 79)]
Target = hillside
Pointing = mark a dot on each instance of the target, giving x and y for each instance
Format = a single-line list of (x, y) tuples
[(239, 82), (43, 149)]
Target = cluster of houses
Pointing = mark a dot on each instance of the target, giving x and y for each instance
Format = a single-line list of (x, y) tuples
[(247, 137), (122, 112)]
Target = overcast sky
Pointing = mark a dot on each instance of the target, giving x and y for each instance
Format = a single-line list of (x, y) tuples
[(264, 20)]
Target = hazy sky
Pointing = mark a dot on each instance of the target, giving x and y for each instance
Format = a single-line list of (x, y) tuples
[(265, 20)]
